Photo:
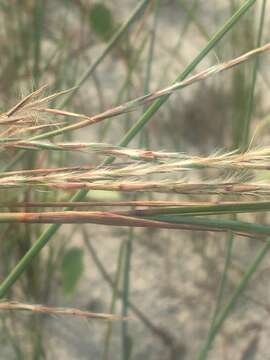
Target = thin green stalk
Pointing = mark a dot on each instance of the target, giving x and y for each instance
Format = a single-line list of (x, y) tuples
[(126, 339), (232, 302), (142, 121), (144, 138), (229, 246), (244, 145), (191, 14), (123, 88), (38, 23), (166, 338), (127, 121), (218, 224), (230, 240), (250, 101), (150, 56), (179, 42), (115, 289), (207, 209), (217, 322), (9, 337), (123, 28)]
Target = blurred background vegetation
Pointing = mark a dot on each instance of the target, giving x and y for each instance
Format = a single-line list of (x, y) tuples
[(166, 279)]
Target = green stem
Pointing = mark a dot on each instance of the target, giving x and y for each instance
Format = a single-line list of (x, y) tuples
[(166, 338), (114, 287), (123, 28), (244, 144), (223, 224), (38, 24), (217, 209), (144, 137), (126, 339), (248, 115), (232, 302), (229, 244)]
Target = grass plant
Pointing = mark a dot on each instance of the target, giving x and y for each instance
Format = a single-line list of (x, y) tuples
[(225, 192)]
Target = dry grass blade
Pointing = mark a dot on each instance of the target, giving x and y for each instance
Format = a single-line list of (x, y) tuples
[(54, 311), (135, 203), (83, 217), (117, 219), (97, 217)]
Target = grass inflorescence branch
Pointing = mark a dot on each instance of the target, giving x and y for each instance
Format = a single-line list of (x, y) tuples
[(27, 111), (56, 311)]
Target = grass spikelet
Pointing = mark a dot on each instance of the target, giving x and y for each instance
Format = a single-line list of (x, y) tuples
[(56, 311)]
